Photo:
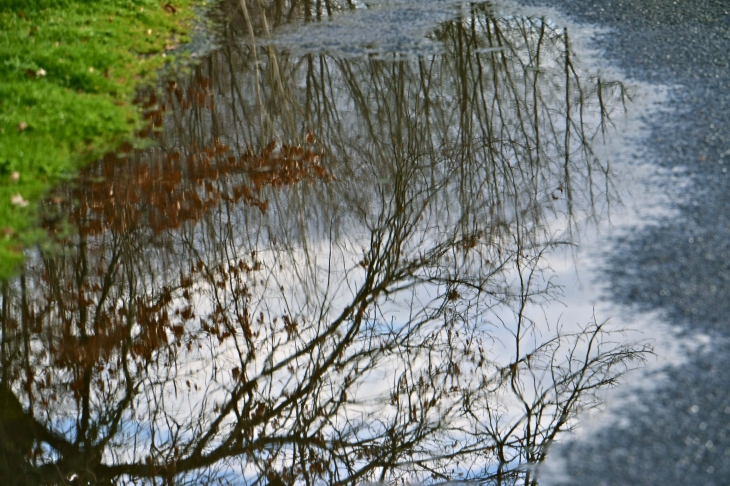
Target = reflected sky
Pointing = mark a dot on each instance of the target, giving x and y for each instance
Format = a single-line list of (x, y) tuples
[(327, 266)]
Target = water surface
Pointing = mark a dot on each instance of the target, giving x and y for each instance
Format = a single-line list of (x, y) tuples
[(331, 267)]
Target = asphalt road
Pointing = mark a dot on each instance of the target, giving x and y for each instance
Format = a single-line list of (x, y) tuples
[(678, 433)]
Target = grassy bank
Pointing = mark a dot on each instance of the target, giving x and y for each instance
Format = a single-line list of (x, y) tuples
[(68, 74)]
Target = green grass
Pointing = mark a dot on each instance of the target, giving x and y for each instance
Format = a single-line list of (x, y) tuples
[(69, 70)]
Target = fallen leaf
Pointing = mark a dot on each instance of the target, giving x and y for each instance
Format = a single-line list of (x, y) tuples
[(170, 8), (7, 231)]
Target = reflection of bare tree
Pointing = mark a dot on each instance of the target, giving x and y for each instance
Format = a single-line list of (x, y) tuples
[(221, 308)]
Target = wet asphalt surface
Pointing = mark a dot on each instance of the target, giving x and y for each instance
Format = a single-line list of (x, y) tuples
[(678, 433)]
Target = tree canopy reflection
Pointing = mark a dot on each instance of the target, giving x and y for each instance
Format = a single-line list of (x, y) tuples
[(323, 273)]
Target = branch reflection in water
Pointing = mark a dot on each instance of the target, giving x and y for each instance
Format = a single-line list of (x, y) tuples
[(322, 273)]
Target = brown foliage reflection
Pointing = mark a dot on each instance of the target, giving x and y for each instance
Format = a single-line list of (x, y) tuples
[(220, 309), (161, 189)]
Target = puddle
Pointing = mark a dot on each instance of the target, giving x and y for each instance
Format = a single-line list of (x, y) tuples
[(355, 254)]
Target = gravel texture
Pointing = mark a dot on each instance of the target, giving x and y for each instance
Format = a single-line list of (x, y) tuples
[(678, 433)]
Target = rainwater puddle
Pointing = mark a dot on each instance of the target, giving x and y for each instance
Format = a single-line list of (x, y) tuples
[(363, 248)]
